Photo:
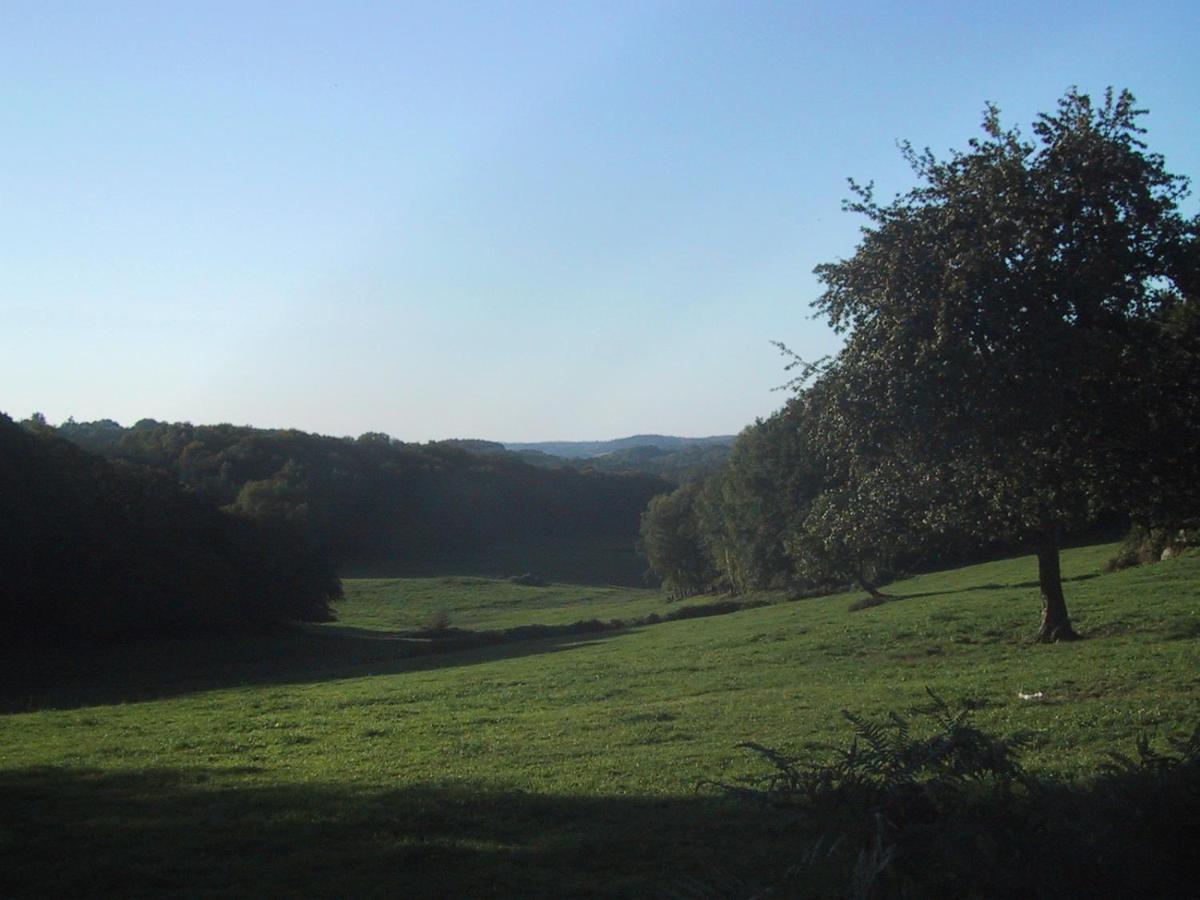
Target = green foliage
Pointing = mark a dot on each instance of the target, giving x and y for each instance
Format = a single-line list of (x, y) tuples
[(886, 766), (1007, 302), (673, 545), (1156, 762), (374, 501), (774, 516), (1006, 359), (752, 508), (439, 623), (946, 813), (1143, 545), (95, 550)]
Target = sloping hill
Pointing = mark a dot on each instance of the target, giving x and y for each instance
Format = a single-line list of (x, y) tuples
[(347, 761)]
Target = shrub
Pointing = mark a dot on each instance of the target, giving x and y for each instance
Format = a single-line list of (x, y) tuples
[(1147, 545), (953, 813), (438, 623)]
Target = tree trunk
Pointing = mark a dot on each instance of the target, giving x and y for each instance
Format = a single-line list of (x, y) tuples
[(1056, 624), (867, 586)]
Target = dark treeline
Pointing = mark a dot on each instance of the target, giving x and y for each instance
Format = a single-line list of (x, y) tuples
[(99, 550), (779, 515), (675, 464), (763, 522), (372, 499), (1022, 362)]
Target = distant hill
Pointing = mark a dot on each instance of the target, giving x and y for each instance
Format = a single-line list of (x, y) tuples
[(375, 501), (591, 449)]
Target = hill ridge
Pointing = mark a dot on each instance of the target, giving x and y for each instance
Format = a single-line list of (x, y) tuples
[(585, 449)]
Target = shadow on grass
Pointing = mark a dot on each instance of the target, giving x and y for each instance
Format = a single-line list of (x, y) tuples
[(216, 832), (209, 832), (153, 669), (869, 602)]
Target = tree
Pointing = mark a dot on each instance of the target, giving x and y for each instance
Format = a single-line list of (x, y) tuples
[(672, 544), (999, 319), (751, 503)]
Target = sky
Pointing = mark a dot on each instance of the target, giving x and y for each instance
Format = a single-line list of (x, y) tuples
[(511, 221)]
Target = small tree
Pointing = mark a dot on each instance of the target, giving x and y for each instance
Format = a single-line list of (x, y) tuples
[(672, 544), (751, 506), (999, 318)]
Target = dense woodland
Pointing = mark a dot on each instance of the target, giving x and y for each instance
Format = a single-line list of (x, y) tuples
[(171, 527), (95, 549), (1021, 365), (675, 464), (677, 460), (373, 499)]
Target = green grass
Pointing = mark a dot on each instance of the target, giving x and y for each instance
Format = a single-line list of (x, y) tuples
[(592, 560), (474, 602), (343, 761)]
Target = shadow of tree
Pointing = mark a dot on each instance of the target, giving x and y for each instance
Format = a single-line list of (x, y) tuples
[(231, 832), (990, 586), (72, 677), (151, 669), (209, 832)]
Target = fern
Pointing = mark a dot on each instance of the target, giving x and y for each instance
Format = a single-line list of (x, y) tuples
[(937, 806)]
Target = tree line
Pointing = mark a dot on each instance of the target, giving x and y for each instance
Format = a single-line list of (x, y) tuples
[(177, 528), (1021, 361), (373, 499), (96, 550)]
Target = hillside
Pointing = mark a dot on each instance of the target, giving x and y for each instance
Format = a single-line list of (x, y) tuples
[(588, 449), (355, 761), (94, 550), (375, 502), (678, 460)]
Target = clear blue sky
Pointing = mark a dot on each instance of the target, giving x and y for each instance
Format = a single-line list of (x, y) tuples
[(516, 221)]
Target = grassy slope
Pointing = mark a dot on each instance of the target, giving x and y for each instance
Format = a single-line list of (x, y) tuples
[(385, 604), (553, 766)]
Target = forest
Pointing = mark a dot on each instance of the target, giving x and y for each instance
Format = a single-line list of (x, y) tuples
[(174, 527), (98, 551)]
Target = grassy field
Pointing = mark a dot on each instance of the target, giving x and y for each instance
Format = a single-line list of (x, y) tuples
[(400, 604), (591, 561), (349, 760)]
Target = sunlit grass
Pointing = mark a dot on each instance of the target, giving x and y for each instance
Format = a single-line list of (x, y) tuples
[(486, 603), (356, 764)]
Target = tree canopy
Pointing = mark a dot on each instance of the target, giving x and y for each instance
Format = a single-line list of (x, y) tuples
[(376, 501), (1021, 361), (97, 550), (1005, 336)]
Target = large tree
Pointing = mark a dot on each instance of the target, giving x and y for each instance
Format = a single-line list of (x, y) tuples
[(999, 319)]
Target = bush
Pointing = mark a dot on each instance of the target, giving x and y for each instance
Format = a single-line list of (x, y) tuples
[(953, 813), (438, 624), (1144, 545)]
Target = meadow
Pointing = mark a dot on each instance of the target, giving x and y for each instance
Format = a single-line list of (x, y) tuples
[(354, 759)]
